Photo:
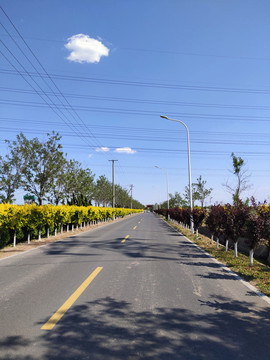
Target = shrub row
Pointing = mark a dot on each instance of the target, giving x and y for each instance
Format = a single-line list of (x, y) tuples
[(229, 222), (20, 222), (182, 215)]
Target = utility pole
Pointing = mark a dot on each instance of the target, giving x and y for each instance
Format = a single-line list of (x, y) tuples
[(113, 187), (131, 187)]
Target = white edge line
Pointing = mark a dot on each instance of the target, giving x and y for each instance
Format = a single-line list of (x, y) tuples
[(247, 284)]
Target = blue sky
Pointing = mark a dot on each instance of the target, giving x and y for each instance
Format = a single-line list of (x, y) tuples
[(120, 64)]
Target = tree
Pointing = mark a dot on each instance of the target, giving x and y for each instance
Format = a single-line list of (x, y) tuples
[(137, 204), (122, 198), (78, 184), (103, 191), (201, 193), (176, 200), (235, 222), (9, 179), (257, 226), (38, 162), (56, 194), (214, 221), (242, 177), (195, 195), (198, 215)]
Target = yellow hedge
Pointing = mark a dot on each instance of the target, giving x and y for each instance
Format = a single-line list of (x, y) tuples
[(16, 217)]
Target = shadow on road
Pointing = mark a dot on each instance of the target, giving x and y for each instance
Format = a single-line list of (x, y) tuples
[(110, 329)]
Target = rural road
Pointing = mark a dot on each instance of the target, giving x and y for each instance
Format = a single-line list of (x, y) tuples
[(134, 289)]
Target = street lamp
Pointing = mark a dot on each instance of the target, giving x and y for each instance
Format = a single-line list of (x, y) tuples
[(168, 204), (189, 169)]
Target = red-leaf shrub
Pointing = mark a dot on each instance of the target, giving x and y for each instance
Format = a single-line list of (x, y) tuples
[(215, 220), (198, 217)]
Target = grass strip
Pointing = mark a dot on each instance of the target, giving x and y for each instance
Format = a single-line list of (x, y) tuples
[(257, 275)]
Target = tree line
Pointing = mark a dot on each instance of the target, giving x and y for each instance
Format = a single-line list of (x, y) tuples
[(42, 169)]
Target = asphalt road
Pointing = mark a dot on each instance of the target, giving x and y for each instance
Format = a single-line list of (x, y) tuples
[(134, 289)]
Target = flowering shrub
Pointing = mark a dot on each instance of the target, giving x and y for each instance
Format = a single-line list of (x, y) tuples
[(27, 218)]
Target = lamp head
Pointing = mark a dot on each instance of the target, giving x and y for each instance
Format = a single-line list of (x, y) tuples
[(164, 117)]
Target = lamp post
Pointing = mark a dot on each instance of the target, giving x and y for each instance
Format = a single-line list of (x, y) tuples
[(168, 204), (189, 169)]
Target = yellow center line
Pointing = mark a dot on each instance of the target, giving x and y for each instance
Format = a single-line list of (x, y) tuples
[(134, 227), (70, 301), (125, 239)]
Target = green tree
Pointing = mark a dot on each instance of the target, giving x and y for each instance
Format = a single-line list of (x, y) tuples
[(9, 179), (56, 194), (201, 193), (103, 191), (175, 200), (122, 198), (137, 204), (195, 195), (78, 185), (242, 183), (38, 162)]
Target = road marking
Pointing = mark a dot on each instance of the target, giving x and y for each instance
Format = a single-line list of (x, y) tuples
[(134, 227), (125, 239), (70, 301)]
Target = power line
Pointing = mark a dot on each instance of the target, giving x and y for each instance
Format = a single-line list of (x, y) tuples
[(148, 138), (163, 51), (68, 107), (136, 112), (52, 105), (142, 130), (146, 101), (158, 151), (32, 53), (222, 89)]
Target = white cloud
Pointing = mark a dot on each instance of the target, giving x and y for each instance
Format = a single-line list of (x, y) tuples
[(125, 150), (103, 148), (83, 48)]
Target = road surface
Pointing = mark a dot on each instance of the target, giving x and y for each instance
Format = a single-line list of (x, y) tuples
[(134, 289)]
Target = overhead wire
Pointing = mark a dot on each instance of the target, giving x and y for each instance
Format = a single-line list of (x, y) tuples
[(148, 138), (136, 112), (32, 53), (141, 130), (48, 76), (147, 101), (162, 51), (35, 68), (149, 84), (67, 106)]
